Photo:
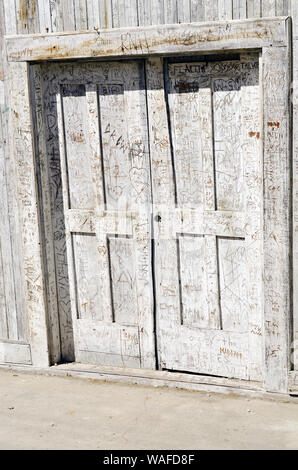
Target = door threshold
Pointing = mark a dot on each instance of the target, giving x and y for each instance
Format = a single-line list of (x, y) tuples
[(188, 379), (155, 378), (162, 375)]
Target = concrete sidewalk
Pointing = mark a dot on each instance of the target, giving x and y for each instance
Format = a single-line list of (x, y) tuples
[(40, 412)]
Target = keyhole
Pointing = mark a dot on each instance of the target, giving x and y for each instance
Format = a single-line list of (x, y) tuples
[(157, 218)]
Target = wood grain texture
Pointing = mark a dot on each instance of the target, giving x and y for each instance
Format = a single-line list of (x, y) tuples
[(10, 20), (24, 16), (65, 21), (21, 16), (15, 353), (57, 20), (183, 11), (239, 9), (268, 8), (129, 42), (93, 14), (213, 306), (44, 13), (70, 13), (29, 218), (197, 10), (13, 319), (277, 219), (80, 13), (294, 13), (225, 9), (253, 8), (144, 12)]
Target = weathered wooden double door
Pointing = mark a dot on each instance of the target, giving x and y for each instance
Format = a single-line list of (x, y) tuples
[(152, 175)]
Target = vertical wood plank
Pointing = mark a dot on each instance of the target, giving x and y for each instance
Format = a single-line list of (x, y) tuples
[(281, 7), (197, 10), (33, 16), (44, 193), (253, 8), (252, 145), (157, 12), (162, 184), (211, 10), (80, 10), (122, 13), (294, 14), (211, 249), (239, 9), (115, 13), (268, 8), (277, 218), (144, 12), (131, 13), (66, 205), (225, 9), (56, 7), (3, 313), (21, 15), (159, 138), (286, 8), (3, 190), (105, 14), (183, 12), (170, 11), (206, 131), (93, 14), (8, 312), (55, 221), (10, 229), (44, 16), (67, 15), (10, 20)]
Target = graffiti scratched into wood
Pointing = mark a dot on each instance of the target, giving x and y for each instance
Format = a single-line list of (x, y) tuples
[(158, 243)]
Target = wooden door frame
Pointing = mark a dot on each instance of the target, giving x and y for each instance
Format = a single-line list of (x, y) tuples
[(272, 37)]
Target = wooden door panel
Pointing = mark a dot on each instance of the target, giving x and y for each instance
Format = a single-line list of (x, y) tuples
[(204, 160), (228, 161), (232, 282), (87, 273), (208, 239), (111, 344), (105, 167), (78, 165)]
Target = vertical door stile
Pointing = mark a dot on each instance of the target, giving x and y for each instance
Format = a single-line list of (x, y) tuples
[(66, 206), (211, 264), (252, 166), (52, 296), (137, 131), (102, 253), (165, 248)]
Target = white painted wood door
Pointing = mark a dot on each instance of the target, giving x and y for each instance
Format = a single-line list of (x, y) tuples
[(103, 138), (206, 149), (202, 172)]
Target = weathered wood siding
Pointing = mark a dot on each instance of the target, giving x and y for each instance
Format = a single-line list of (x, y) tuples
[(34, 16), (18, 17), (13, 327)]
